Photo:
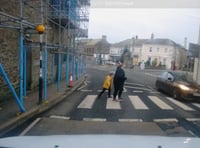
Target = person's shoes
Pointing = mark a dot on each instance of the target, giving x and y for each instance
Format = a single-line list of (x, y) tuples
[(109, 96), (115, 100)]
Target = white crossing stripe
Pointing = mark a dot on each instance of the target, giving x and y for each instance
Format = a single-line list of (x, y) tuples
[(179, 104), (196, 104), (137, 103), (112, 104), (160, 103), (88, 102)]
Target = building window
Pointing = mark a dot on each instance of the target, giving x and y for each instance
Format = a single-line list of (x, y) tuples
[(158, 49), (166, 50), (150, 49)]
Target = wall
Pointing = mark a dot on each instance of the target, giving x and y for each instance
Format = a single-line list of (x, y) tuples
[(9, 46)]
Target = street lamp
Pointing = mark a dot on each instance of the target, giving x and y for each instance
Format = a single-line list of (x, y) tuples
[(40, 29)]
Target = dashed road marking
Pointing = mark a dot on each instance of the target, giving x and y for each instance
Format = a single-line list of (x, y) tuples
[(94, 119), (130, 120), (166, 120), (59, 117)]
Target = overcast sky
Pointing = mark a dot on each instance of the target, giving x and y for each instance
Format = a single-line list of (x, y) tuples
[(120, 23)]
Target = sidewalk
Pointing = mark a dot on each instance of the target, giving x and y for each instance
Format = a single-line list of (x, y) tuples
[(10, 115)]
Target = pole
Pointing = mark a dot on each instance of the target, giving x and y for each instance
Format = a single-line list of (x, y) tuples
[(21, 54), (40, 77)]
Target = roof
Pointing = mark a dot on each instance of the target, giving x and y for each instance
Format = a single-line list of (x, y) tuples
[(140, 42), (93, 42)]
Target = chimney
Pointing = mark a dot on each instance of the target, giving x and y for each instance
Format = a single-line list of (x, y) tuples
[(104, 37), (152, 36), (185, 42), (198, 42)]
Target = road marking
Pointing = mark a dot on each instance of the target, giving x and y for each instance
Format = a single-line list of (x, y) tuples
[(166, 120), (130, 120), (179, 104), (30, 127), (85, 84), (154, 92), (87, 102), (95, 119), (196, 104), (149, 74), (127, 83), (124, 90), (59, 117), (137, 103), (160, 103), (193, 119), (112, 104), (86, 90), (140, 88), (138, 91)]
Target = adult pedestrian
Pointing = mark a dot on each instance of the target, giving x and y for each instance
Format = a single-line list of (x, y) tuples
[(107, 85), (118, 82)]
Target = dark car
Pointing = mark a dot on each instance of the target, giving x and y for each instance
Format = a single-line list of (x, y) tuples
[(178, 85)]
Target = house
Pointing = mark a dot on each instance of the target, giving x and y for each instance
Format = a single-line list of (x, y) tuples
[(153, 52), (97, 48)]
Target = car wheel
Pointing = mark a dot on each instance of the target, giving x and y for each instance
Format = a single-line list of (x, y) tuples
[(157, 86)]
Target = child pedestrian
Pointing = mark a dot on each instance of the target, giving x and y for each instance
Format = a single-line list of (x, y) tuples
[(107, 85)]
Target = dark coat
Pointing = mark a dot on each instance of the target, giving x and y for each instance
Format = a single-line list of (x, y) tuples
[(119, 77)]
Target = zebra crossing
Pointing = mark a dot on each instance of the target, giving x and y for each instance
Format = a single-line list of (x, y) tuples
[(138, 103)]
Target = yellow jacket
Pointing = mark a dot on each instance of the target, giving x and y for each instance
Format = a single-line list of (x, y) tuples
[(108, 82)]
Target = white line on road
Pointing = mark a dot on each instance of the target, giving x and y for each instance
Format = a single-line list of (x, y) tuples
[(166, 120), (137, 103), (130, 120), (196, 104), (59, 117), (127, 83), (30, 127), (88, 102), (138, 91), (85, 84), (85, 90), (181, 105), (94, 119), (149, 74), (140, 88), (193, 119), (112, 104), (160, 103)]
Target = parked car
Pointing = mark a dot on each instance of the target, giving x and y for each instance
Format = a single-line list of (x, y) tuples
[(178, 85)]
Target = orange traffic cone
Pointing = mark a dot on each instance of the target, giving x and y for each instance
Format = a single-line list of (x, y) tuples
[(70, 81)]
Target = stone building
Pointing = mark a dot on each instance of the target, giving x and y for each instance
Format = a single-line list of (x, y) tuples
[(58, 40)]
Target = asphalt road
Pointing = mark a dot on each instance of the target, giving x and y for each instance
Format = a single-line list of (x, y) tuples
[(144, 111)]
